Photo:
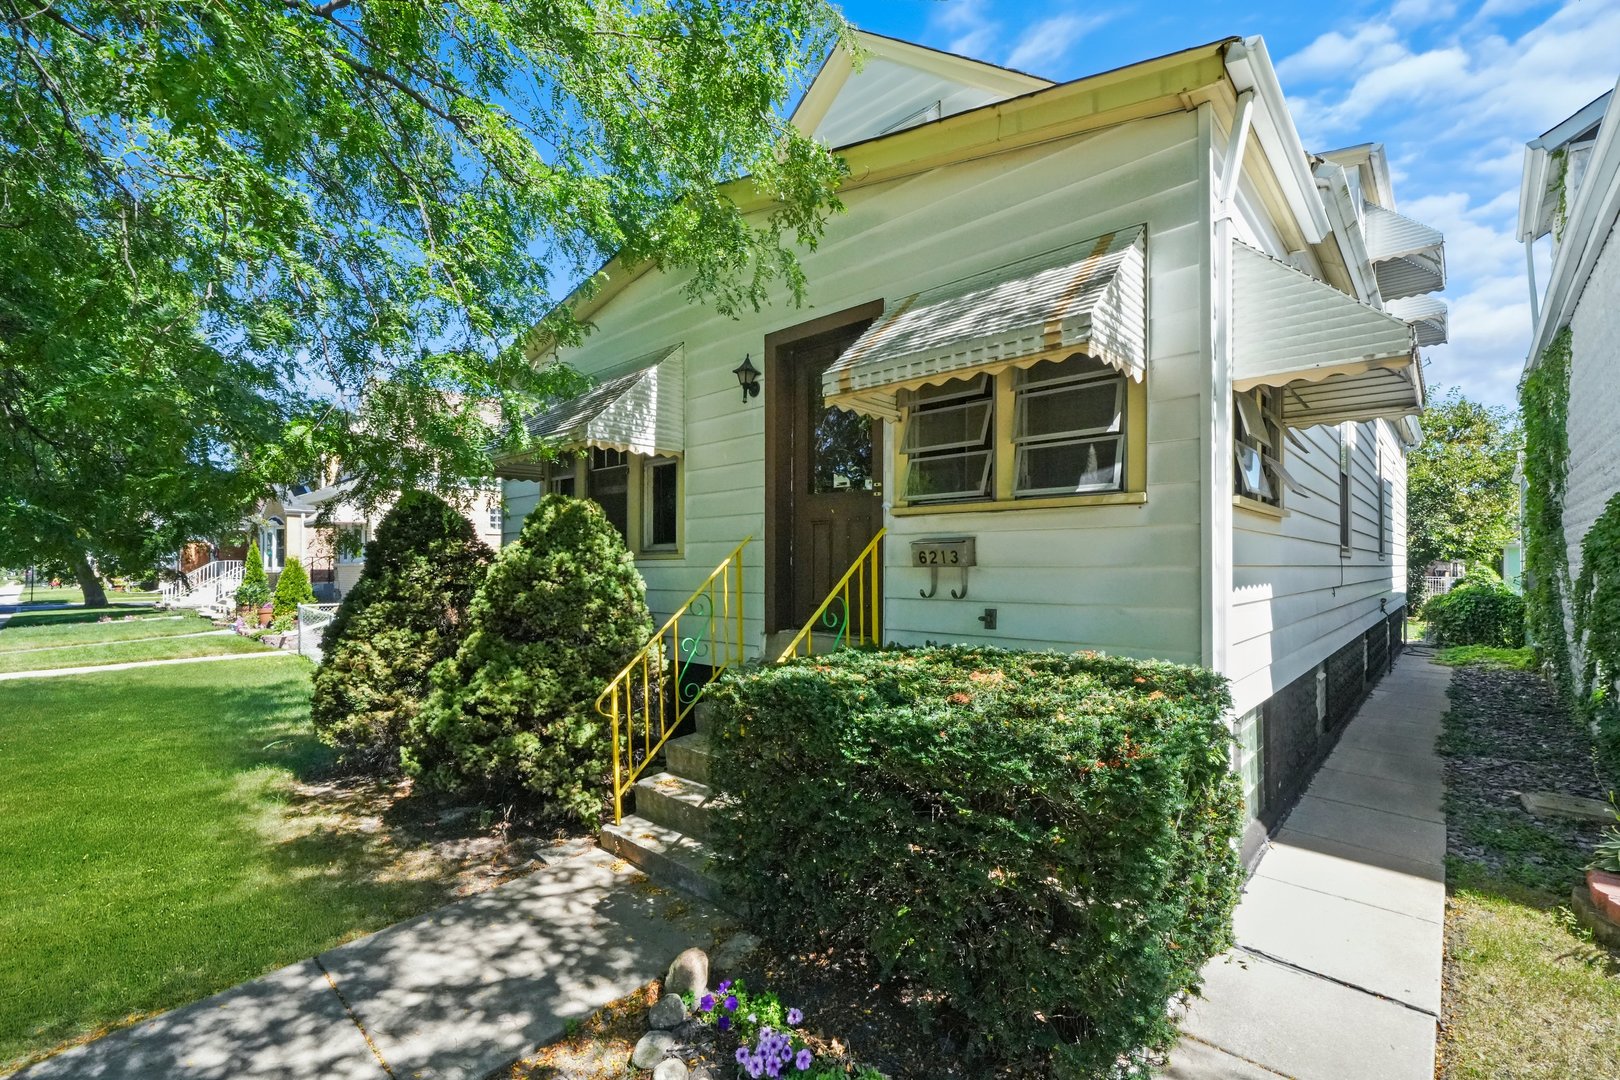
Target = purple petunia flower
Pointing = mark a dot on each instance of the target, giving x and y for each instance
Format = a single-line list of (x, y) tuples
[(723, 987), (795, 1017), (731, 1003), (706, 1004), (742, 1055), (804, 1059), (724, 1023)]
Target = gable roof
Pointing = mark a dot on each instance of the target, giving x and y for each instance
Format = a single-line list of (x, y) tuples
[(1550, 172), (892, 85)]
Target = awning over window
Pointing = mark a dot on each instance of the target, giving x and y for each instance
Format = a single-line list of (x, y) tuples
[(1335, 358), (639, 407), (1408, 258), (1426, 315), (1090, 296)]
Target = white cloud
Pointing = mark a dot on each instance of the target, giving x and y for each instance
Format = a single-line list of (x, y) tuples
[(1422, 11), (966, 26), (1047, 40), (1454, 99), (1335, 53)]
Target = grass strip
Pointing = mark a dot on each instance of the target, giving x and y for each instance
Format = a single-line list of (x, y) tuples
[(126, 652)]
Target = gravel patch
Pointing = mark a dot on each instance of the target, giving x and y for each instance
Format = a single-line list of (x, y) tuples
[(1507, 733)]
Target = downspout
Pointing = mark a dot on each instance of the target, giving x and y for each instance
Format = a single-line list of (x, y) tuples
[(1217, 539), (1535, 297)]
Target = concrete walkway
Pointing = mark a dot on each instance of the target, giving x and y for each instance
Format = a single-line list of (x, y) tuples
[(1336, 973), (50, 673), (455, 993)]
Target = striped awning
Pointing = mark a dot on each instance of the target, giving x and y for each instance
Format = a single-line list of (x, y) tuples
[(1408, 257), (1426, 315), (1335, 358), (638, 407), (1089, 297)]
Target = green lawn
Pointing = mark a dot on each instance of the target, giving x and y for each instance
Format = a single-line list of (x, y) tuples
[(40, 616), (150, 854), (72, 594), (124, 652), (78, 634), (1527, 994)]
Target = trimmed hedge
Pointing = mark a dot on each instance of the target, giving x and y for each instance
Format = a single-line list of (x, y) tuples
[(1479, 610), (406, 613), (292, 588), (1042, 846), (513, 713)]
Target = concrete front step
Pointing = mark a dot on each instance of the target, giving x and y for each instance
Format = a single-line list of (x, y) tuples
[(666, 855), (689, 756), (676, 803)]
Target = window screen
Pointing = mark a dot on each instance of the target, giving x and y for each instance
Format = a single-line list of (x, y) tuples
[(947, 441), (610, 487), (1069, 428), (661, 485)]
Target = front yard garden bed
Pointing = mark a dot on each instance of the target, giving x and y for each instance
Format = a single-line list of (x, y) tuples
[(1527, 992)]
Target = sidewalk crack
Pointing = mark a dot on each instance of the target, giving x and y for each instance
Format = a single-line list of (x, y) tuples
[(354, 1018), (1260, 954)]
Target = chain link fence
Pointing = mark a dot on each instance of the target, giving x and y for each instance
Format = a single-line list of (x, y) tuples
[(312, 620)]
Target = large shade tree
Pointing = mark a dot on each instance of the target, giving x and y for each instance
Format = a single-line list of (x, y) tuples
[(222, 223), (1461, 499)]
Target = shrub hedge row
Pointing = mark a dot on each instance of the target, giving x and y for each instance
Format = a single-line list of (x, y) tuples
[(1479, 610), (1042, 846)]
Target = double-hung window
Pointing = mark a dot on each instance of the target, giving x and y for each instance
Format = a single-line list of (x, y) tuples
[(1068, 428), (609, 482)]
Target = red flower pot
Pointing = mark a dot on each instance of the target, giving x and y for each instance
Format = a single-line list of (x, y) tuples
[(1604, 889)]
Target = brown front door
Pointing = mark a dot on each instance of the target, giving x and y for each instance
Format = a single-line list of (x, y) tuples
[(827, 498)]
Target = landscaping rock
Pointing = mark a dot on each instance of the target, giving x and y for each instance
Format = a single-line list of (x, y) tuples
[(737, 949), (688, 973), (1553, 804), (653, 1048), (669, 1012), (671, 1069)]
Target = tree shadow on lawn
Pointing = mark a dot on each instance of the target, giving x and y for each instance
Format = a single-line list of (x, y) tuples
[(78, 613), (161, 826)]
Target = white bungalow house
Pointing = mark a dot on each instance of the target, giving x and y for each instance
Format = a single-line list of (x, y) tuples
[(331, 545), (1112, 364), (1570, 200)]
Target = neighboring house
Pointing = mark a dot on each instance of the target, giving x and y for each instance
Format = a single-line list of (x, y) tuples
[(331, 547), (1156, 361), (1571, 197)]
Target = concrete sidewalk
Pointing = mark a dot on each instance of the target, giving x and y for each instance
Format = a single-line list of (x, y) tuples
[(97, 669), (455, 993), (1336, 973)]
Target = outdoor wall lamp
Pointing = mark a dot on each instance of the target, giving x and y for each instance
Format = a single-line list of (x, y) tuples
[(747, 378)]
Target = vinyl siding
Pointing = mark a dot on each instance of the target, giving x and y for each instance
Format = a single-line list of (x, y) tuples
[(1294, 599), (1594, 400), (1055, 576)]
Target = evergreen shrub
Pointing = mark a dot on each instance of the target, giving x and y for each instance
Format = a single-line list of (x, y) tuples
[(292, 588), (1479, 610), (513, 716), (1042, 847), (254, 591), (405, 613)]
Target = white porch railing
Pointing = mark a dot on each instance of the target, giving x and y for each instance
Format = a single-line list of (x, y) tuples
[(312, 622), (210, 583)]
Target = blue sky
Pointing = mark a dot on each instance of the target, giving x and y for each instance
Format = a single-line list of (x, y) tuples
[(1452, 89)]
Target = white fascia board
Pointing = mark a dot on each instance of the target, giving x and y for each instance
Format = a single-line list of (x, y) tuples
[(1532, 190), (1249, 66), (1346, 227), (1591, 219)]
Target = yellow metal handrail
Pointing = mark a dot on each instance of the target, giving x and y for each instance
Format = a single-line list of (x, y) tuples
[(657, 688), (850, 623)]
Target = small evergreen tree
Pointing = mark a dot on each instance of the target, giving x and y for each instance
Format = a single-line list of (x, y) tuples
[(406, 613), (513, 714), (292, 589), (254, 592)]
